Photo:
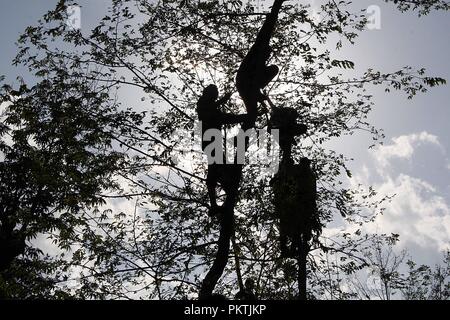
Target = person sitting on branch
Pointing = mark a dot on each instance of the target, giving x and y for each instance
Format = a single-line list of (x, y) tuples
[(212, 118)]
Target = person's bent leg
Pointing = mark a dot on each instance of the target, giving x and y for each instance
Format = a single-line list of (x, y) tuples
[(211, 184)]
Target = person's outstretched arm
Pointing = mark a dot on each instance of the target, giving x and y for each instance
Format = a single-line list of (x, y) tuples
[(264, 35), (223, 100)]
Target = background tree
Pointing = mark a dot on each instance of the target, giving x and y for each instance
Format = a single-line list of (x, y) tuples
[(390, 275), (383, 275), (57, 159), (426, 283)]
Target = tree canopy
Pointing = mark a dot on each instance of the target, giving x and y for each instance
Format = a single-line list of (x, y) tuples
[(104, 125)]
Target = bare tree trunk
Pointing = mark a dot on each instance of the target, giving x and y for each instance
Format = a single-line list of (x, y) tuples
[(302, 271), (226, 231)]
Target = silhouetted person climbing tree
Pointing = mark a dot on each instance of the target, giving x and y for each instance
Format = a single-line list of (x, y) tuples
[(285, 121), (254, 74), (212, 118), (294, 189), (228, 175), (295, 194)]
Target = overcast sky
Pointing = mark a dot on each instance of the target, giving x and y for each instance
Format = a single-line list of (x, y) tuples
[(414, 163)]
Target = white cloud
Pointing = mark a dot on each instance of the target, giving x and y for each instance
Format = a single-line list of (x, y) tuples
[(419, 212), (404, 147), (3, 106)]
